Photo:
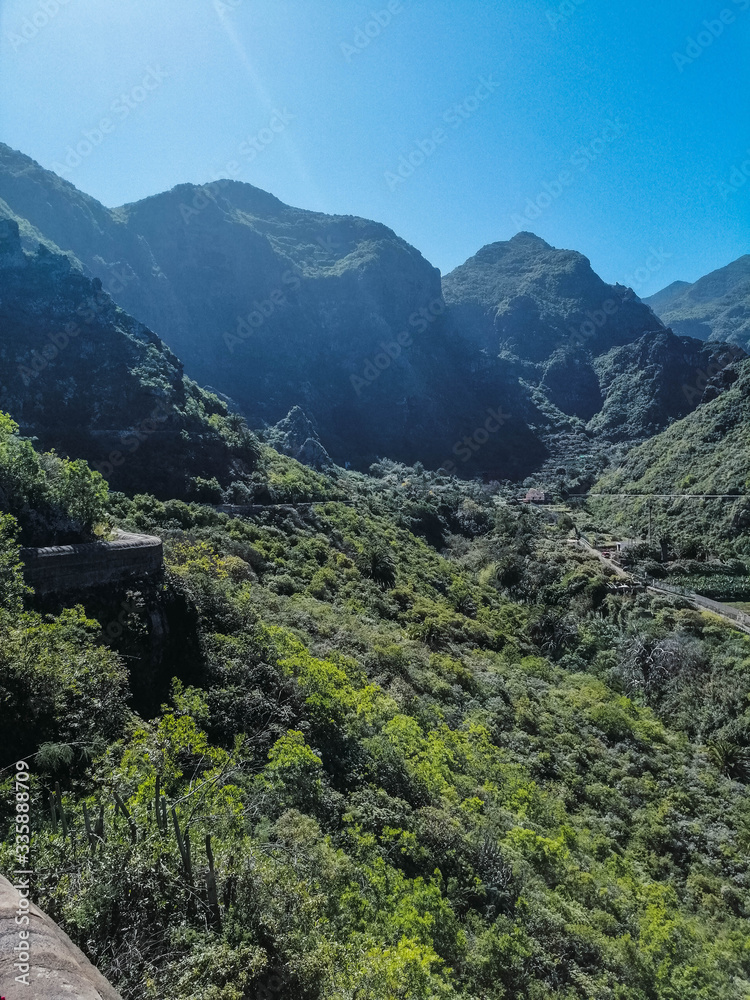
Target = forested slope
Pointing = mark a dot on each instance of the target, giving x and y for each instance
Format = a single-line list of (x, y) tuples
[(436, 757)]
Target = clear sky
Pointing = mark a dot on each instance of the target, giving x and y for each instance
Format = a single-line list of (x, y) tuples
[(599, 125)]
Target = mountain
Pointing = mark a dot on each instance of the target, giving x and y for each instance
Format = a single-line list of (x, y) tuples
[(531, 300), (596, 359), (87, 379), (277, 307), (660, 300), (658, 378), (704, 453), (716, 307)]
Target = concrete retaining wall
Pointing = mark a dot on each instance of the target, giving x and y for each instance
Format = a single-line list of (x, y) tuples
[(59, 568)]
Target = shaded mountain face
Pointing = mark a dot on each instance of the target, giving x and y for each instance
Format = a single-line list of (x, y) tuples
[(705, 453), (716, 307), (593, 352), (661, 299), (278, 307), (531, 300), (90, 381), (659, 378)]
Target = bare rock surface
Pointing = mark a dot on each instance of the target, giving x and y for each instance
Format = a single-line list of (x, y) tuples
[(58, 970)]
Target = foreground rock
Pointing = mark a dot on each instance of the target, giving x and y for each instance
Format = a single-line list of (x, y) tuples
[(58, 970)]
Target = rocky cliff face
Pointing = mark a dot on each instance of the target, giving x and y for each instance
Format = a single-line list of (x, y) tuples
[(296, 436), (716, 307), (279, 307), (658, 379), (90, 381), (531, 300), (592, 351)]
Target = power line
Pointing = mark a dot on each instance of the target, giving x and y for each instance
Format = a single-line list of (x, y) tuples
[(662, 496)]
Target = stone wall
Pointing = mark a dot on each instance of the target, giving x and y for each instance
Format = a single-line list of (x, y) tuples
[(59, 568)]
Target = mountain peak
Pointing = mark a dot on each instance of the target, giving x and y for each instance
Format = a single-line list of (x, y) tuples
[(525, 238), (712, 308)]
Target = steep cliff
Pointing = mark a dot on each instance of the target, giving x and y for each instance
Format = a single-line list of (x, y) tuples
[(88, 380)]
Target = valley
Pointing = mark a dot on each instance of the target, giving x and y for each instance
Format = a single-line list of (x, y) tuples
[(395, 640)]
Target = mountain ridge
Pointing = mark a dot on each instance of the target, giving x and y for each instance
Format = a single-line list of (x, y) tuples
[(87, 379), (716, 307), (279, 307)]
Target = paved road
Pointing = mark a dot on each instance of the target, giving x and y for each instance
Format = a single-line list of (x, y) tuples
[(729, 614)]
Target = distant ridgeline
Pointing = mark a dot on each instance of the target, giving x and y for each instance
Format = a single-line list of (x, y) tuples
[(716, 307), (334, 314)]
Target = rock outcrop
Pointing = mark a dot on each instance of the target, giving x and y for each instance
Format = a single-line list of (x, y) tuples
[(593, 352), (296, 436), (57, 969)]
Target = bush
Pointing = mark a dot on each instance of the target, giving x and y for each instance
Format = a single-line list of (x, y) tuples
[(55, 501)]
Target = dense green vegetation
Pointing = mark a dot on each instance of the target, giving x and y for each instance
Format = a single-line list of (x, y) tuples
[(53, 500), (435, 755), (706, 453)]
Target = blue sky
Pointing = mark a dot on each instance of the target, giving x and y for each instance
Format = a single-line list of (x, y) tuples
[(599, 126)]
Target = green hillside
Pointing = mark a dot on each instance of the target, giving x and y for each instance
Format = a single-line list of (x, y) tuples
[(706, 452), (473, 772), (716, 307)]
